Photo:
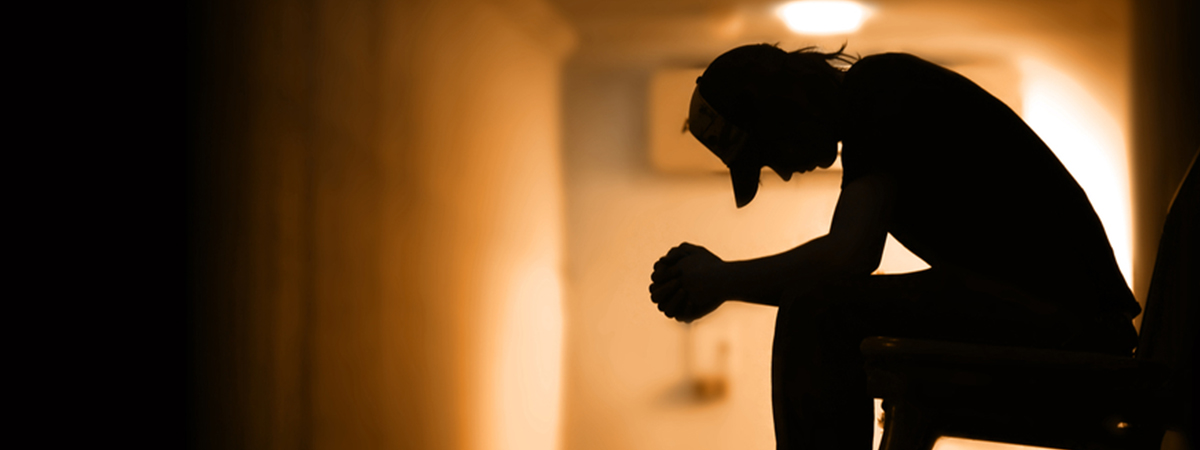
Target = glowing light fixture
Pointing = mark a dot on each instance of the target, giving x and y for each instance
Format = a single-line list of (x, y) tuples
[(823, 17)]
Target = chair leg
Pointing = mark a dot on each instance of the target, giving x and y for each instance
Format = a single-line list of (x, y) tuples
[(906, 427)]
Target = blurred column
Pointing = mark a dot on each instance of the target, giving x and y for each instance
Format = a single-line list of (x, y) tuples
[(376, 223), (1166, 111)]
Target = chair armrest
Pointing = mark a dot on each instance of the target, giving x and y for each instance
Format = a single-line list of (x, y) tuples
[(945, 352), (930, 361)]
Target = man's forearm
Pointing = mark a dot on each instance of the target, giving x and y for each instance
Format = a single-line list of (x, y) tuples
[(768, 279)]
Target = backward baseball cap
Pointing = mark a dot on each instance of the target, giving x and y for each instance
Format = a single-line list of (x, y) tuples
[(726, 140), (720, 105)]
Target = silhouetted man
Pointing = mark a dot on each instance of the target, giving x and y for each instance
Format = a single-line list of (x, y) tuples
[(1017, 256)]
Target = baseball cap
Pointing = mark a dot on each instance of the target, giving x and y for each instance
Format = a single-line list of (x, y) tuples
[(723, 106), (726, 140)]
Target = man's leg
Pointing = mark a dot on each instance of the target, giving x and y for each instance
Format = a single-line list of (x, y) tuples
[(818, 383)]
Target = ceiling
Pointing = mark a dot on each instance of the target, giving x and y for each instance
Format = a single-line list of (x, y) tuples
[(692, 32)]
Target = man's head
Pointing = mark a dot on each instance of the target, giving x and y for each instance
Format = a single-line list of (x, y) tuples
[(758, 106)]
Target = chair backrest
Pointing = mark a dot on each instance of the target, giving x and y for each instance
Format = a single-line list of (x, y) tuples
[(1168, 332)]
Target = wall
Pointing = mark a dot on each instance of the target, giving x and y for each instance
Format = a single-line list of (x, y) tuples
[(376, 213)]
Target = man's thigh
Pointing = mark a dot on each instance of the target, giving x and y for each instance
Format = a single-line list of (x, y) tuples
[(928, 305)]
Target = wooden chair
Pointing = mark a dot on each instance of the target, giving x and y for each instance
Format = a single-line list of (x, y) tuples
[(1052, 398)]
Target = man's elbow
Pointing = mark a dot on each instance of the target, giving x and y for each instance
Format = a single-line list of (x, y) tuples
[(849, 257), (860, 264), (854, 263)]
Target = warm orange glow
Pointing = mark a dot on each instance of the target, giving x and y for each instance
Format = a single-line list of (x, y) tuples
[(483, 187), (1089, 142), (823, 17), (528, 374), (951, 443), (512, 191)]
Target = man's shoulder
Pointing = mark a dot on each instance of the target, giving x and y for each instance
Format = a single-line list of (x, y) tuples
[(907, 84), (893, 71), (880, 85), (888, 63)]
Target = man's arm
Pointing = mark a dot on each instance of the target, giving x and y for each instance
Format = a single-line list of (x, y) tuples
[(690, 281)]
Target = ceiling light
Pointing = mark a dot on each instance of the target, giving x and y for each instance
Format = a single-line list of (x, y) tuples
[(823, 17)]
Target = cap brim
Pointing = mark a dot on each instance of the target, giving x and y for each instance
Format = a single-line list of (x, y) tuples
[(745, 184)]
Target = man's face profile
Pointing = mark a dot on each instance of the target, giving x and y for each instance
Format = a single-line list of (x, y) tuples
[(798, 148), (801, 149)]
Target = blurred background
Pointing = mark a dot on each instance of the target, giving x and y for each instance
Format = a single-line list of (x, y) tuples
[(431, 224)]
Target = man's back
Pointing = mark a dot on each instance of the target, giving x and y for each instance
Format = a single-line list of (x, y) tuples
[(978, 194)]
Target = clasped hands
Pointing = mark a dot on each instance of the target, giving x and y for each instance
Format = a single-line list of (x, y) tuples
[(686, 283)]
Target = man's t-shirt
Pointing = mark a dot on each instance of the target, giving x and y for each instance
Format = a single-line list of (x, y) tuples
[(978, 194)]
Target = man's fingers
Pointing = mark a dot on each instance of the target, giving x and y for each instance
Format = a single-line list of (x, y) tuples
[(664, 268), (666, 261), (661, 264), (674, 303), (687, 313), (664, 274), (676, 253), (662, 291), (665, 289)]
